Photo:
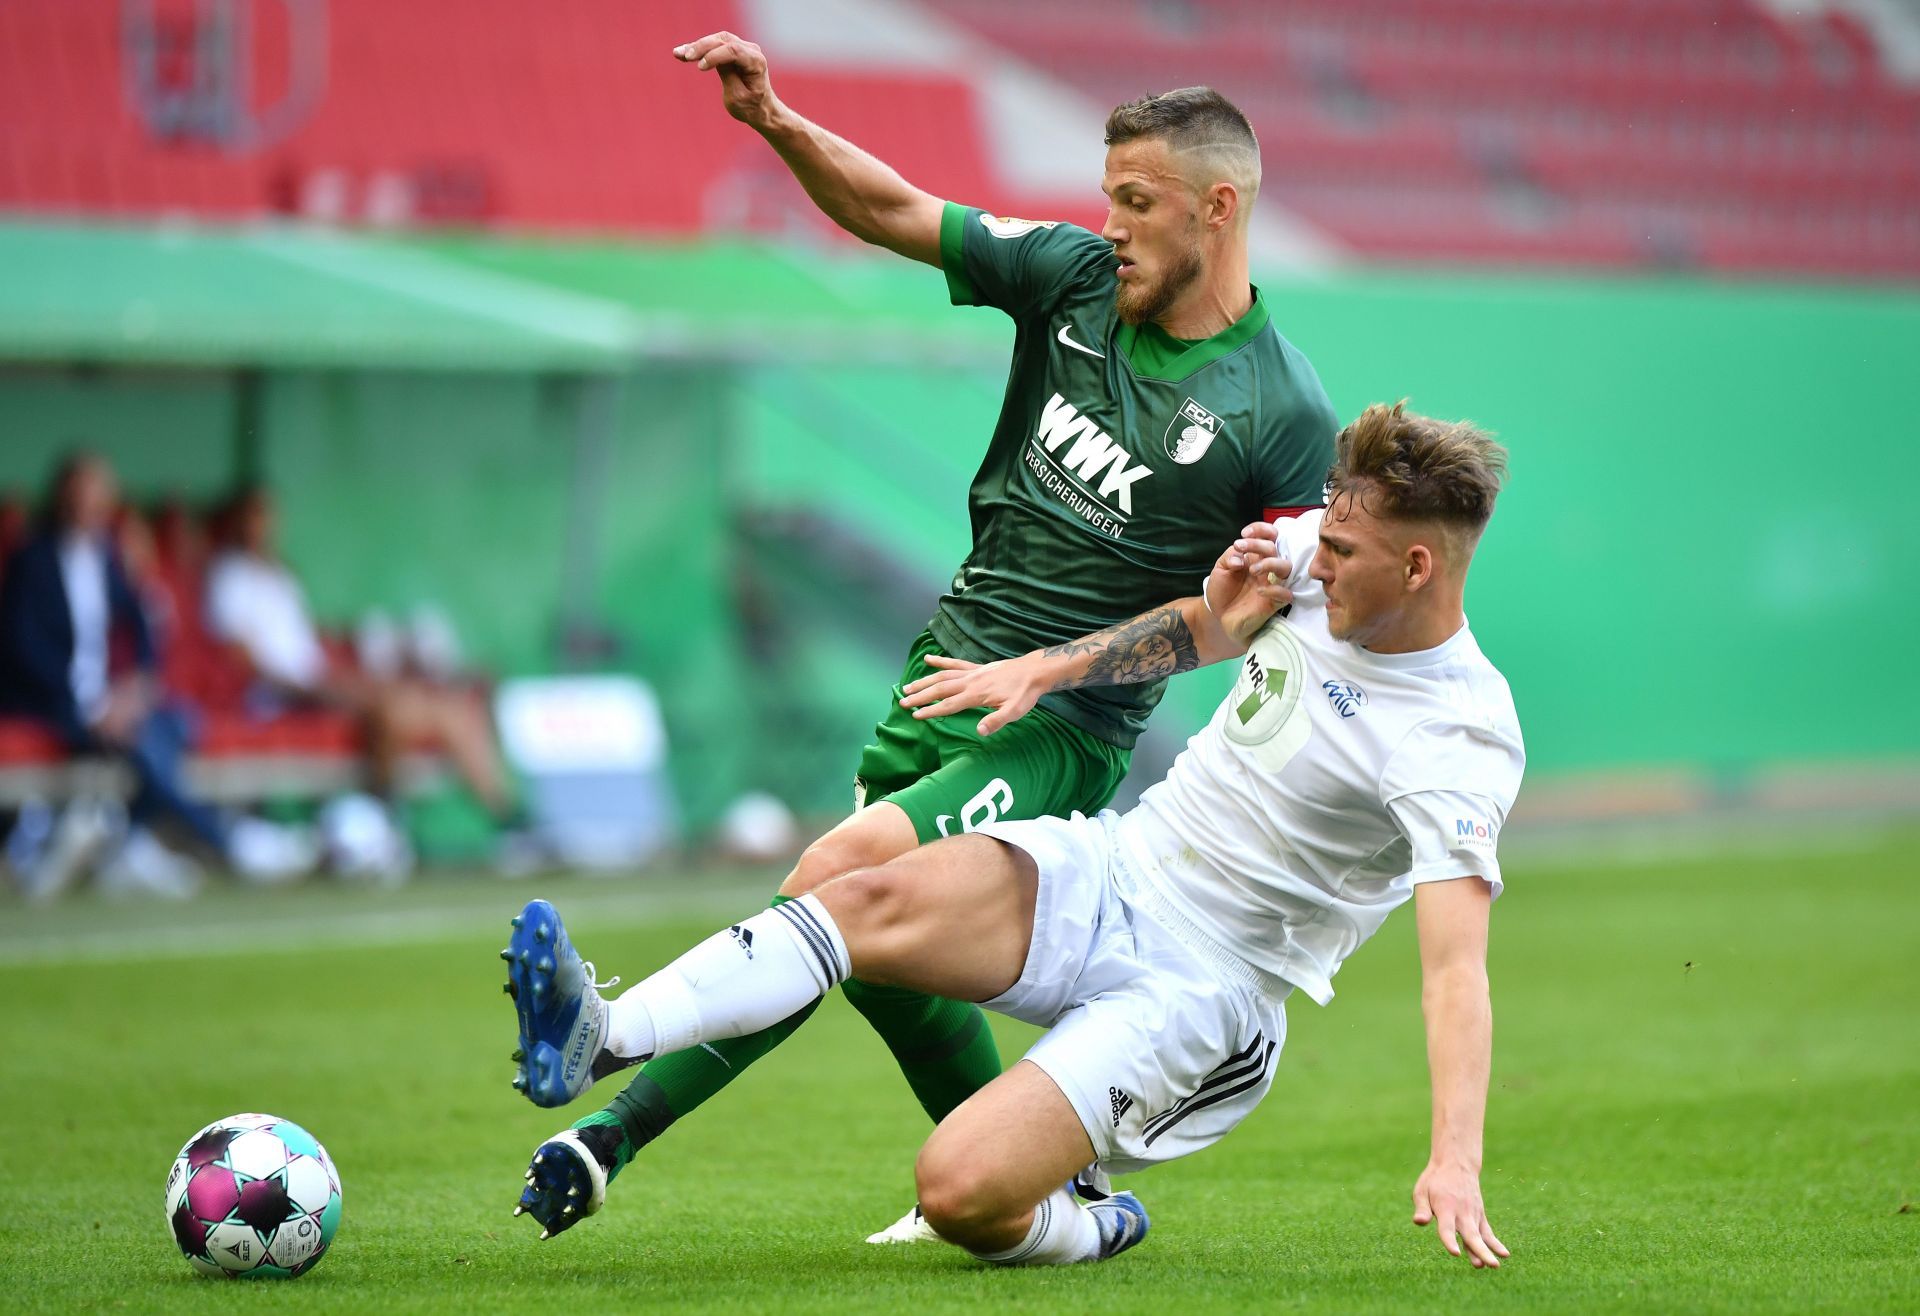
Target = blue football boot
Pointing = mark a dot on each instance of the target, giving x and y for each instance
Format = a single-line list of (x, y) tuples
[(567, 1181), (563, 1021), (1122, 1221)]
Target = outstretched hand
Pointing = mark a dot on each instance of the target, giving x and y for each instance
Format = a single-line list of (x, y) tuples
[(745, 88), (1448, 1197), (1248, 583), (1010, 687)]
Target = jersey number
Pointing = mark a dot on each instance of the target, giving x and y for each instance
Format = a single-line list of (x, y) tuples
[(990, 805)]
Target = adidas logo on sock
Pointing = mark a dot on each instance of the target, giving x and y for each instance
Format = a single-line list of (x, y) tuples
[(1121, 1103), (743, 938)]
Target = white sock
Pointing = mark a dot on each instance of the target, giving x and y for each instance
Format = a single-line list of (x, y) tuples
[(1062, 1233), (748, 977)]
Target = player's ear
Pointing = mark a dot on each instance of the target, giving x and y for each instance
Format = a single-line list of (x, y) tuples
[(1223, 203), (1417, 567)]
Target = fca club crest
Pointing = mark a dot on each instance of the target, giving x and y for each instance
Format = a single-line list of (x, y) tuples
[(1191, 433)]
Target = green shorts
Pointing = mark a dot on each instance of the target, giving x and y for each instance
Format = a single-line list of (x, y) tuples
[(950, 779)]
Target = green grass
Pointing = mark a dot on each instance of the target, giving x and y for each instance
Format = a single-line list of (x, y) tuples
[(1742, 1134)]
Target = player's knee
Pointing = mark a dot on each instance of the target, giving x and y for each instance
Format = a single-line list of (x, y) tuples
[(818, 864), (836, 854), (958, 1194), (874, 910), (873, 901)]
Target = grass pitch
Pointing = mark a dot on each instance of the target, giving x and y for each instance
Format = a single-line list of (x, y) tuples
[(1706, 1097)]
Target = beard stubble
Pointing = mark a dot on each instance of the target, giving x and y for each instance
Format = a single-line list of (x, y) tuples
[(1136, 305)]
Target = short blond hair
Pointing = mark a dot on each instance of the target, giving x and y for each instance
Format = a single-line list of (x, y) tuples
[(1408, 467), (1200, 124)]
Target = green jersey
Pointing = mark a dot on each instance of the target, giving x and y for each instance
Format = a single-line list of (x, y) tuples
[(1124, 460)]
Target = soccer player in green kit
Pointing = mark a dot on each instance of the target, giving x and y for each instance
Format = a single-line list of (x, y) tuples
[(1151, 411)]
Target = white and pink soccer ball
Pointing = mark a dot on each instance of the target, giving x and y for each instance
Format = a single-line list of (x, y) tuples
[(253, 1195)]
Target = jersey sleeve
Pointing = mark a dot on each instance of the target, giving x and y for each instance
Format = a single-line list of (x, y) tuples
[(1452, 834), (1298, 540), (1021, 266), (1449, 786)]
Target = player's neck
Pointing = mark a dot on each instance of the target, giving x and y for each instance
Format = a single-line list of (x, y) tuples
[(1215, 302), (1419, 629)]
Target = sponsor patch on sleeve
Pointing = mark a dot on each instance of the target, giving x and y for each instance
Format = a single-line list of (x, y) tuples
[(1002, 226), (1474, 834)]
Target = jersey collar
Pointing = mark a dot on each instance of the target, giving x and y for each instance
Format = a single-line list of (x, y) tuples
[(1451, 647), (1156, 354)]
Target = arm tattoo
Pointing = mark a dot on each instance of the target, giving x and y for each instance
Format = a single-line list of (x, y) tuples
[(1152, 646)]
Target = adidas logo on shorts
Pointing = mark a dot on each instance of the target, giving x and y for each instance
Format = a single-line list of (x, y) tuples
[(1121, 1103)]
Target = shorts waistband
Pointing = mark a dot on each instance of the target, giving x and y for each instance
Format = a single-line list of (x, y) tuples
[(1139, 891)]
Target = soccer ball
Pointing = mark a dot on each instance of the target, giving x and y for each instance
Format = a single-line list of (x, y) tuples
[(253, 1195)]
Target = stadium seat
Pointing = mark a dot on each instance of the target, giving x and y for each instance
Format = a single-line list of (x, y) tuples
[(1604, 120), (27, 742), (1513, 131)]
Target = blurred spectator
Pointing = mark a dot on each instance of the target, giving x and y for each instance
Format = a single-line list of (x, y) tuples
[(254, 601), (64, 592), (139, 558), (180, 542)]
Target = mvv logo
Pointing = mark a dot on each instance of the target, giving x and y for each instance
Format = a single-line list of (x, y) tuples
[(1093, 454)]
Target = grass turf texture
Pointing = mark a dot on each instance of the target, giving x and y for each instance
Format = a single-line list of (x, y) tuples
[(1742, 1134)]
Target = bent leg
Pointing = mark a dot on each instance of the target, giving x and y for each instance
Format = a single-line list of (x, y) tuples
[(990, 1176), (407, 712), (466, 733), (870, 838), (954, 918), (155, 757), (674, 1085), (368, 702), (1039, 766), (944, 1048)]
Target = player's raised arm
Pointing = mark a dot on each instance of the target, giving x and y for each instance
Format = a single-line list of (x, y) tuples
[(1452, 916), (859, 193), (1247, 585)]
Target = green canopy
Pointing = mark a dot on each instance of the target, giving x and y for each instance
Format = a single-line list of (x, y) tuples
[(742, 300), (292, 296), (287, 297)]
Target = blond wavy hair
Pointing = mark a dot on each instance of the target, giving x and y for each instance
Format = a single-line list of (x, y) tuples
[(1404, 466)]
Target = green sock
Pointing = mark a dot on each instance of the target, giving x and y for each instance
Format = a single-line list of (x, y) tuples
[(670, 1086), (943, 1047)]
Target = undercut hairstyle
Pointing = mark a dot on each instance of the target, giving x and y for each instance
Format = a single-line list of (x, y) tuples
[(1403, 466), (1198, 123)]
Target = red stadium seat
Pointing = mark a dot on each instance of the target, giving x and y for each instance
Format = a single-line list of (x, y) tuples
[(573, 116), (312, 734), (1418, 129), (27, 742)]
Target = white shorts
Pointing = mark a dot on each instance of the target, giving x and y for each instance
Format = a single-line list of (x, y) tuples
[(1158, 1043)]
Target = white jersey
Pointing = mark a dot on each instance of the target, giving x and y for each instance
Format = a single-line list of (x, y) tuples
[(260, 606), (1330, 782)]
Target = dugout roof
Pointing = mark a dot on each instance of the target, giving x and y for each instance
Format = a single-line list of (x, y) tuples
[(285, 297), (290, 296)]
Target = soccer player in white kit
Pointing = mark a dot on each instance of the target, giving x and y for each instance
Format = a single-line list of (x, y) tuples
[(1367, 754)]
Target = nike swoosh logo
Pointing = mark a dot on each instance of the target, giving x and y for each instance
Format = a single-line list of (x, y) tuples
[(1067, 340)]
